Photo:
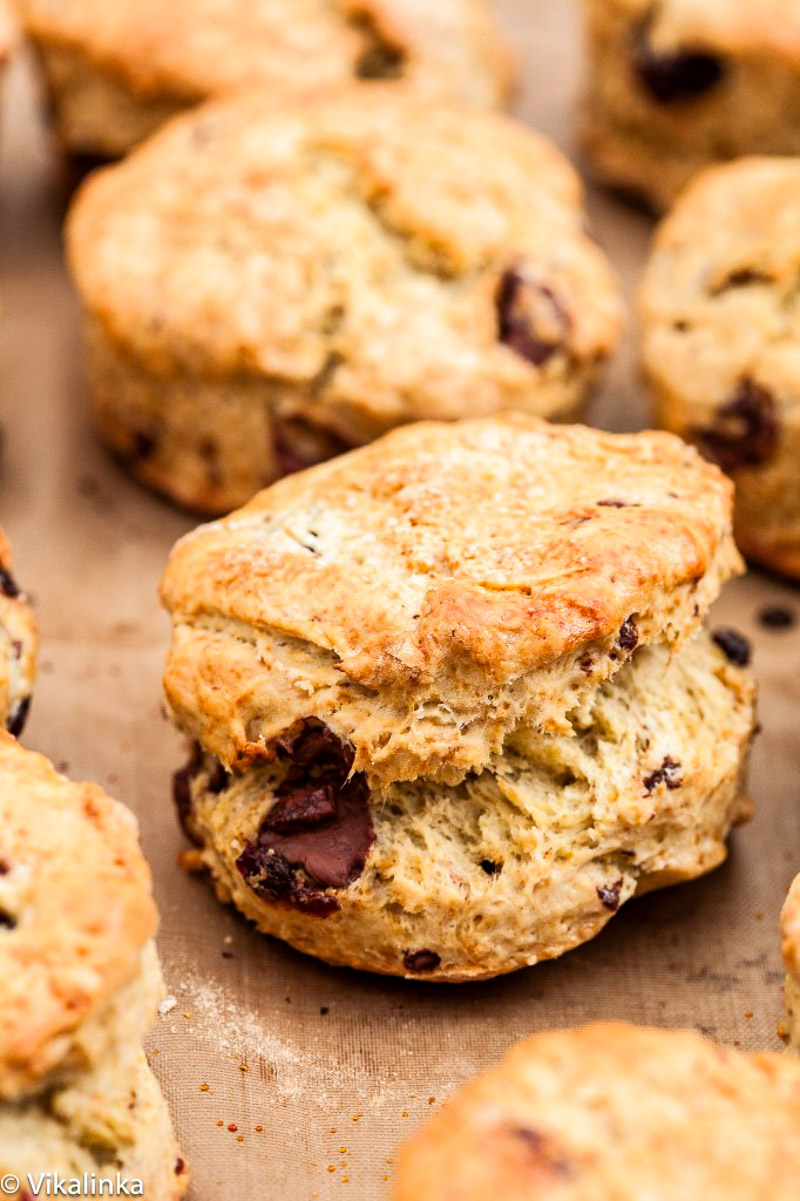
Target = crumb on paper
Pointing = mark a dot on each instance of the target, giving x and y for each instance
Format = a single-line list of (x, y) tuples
[(167, 1005)]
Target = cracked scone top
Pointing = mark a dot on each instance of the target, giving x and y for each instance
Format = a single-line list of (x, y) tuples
[(428, 594), (678, 84), (614, 1111), (265, 285), (720, 321), (79, 985), (119, 70), (19, 641)]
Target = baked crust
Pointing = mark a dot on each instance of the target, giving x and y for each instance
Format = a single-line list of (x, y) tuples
[(339, 265), (719, 334), (78, 913), (427, 594), (612, 1110)]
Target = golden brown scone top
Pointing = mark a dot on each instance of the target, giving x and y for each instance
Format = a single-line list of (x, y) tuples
[(612, 1112), (354, 243), (735, 27), (448, 564), (193, 49), (75, 911)]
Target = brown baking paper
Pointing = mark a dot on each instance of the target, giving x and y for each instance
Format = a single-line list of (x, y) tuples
[(289, 1080)]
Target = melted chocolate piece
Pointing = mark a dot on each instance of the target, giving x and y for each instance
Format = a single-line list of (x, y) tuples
[(15, 722), (745, 430), (319, 832), (7, 922), (531, 321), (776, 617), (490, 867), (670, 773), (676, 76), (629, 635), (297, 444), (735, 646), (421, 962), (8, 585), (609, 895), (218, 780), (182, 790)]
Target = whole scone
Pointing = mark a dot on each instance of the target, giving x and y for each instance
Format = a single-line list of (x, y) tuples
[(79, 985), (720, 327), (19, 642), (678, 84), (264, 287), (790, 929), (613, 1112), (450, 696), (117, 70)]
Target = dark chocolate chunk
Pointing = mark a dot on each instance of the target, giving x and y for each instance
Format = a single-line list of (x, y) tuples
[(490, 867), (319, 832), (629, 635), (734, 645), (15, 722), (744, 277), (297, 444), (219, 779), (745, 430), (182, 789), (8, 585), (180, 1166), (609, 895), (675, 76), (670, 773), (7, 922), (531, 320), (776, 617), (421, 962), (143, 445)]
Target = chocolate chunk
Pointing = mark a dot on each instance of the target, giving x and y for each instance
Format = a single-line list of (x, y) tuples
[(744, 277), (297, 444), (670, 773), (490, 867), (609, 895), (143, 445), (319, 832), (734, 645), (180, 1166), (745, 430), (776, 617), (219, 779), (15, 722), (629, 635), (182, 790), (8, 585), (531, 321), (7, 922), (380, 57), (675, 76), (421, 962)]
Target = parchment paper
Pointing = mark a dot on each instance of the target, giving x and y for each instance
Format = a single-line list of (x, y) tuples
[(322, 1072)]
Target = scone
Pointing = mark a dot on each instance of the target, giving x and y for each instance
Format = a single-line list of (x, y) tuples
[(79, 986), (612, 1111), (720, 329), (450, 694), (117, 70), (18, 647), (678, 84), (265, 287), (790, 928)]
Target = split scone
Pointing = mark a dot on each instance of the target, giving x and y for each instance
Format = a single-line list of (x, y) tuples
[(79, 986), (451, 697), (19, 643), (790, 928), (117, 71), (720, 325), (265, 287), (677, 84), (612, 1112)]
